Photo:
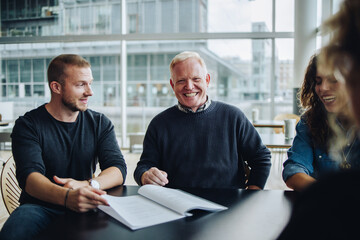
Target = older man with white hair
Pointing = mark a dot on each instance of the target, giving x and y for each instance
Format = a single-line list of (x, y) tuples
[(199, 142)]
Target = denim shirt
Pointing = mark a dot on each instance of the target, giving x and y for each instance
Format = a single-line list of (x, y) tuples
[(304, 158)]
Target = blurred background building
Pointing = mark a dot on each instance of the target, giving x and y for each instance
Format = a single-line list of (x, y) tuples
[(248, 46)]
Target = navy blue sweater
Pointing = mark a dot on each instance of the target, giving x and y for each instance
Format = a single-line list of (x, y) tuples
[(205, 149)]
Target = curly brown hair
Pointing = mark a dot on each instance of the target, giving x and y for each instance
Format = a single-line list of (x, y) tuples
[(315, 113)]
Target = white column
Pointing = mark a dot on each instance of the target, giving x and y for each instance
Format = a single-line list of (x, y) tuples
[(0, 32), (123, 78), (305, 41), (326, 10)]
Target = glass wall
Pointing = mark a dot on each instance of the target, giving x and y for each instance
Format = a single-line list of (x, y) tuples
[(247, 45)]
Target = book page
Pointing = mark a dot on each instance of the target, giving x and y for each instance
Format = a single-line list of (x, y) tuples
[(178, 200), (137, 211)]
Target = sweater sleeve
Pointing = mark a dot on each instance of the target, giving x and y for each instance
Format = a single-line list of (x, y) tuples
[(109, 152), (150, 156), (26, 150), (252, 150)]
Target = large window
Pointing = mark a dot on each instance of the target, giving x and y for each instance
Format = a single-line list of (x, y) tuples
[(247, 45)]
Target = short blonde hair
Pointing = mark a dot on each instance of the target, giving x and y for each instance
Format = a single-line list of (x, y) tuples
[(184, 56)]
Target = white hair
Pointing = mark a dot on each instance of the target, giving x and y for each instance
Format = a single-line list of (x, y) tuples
[(184, 56)]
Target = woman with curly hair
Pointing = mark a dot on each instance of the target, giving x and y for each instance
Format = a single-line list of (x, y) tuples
[(309, 156), (328, 209)]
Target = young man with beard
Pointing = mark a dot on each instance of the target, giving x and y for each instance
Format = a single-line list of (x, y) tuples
[(56, 148)]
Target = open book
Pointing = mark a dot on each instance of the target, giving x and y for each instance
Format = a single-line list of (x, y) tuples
[(155, 205)]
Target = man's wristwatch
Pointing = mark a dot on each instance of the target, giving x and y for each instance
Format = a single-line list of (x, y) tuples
[(94, 183)]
